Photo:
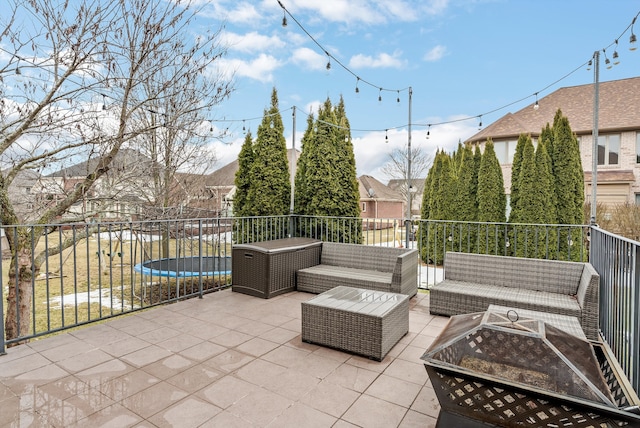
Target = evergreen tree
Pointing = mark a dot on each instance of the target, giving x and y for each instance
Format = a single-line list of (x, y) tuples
[(328, 176), (466, 205), (546, 200), (301, 193), (515, 176), (491, 200), (569, 185), (527, 207), (346, 165), (269, 193), (243, 177)]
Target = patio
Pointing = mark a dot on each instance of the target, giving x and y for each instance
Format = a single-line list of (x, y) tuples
[(226, 360)]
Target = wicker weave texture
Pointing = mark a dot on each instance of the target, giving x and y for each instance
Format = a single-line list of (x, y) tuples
[(269, 270), (454, 296), (362, 266), (359, 327)]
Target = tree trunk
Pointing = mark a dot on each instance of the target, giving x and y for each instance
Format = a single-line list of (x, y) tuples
[(19, 298)]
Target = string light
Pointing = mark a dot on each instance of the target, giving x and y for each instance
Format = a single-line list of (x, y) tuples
[(357, 89), (616, 61), (607, 61), (104, 105), (386, 135), (428, 131), (536, 106), (380, 95), (480, 124), (632, 38), (398, 99)]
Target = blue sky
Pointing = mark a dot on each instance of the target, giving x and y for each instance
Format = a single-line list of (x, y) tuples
[(462, 58)]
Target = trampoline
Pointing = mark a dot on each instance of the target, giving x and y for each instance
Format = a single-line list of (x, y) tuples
[(185, 267)]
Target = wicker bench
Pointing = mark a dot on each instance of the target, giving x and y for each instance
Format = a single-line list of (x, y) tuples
[(472, 282), (365, 322), (362, 266)]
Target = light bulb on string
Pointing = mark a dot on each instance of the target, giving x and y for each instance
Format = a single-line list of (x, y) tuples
[(589, 65), (244, 129), (536, 106), (398, 99), (104, 104), (607, 61), (480, 124), (357, 81), (380, 95), (632, 38), (284, 19), (428, 131), (615, 56), (386, 135)]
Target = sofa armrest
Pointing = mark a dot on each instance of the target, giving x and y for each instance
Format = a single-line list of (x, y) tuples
[(588, 297), (405, 273)]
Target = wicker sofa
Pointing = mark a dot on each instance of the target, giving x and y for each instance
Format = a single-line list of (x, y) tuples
[(362, 266), (472, 282)]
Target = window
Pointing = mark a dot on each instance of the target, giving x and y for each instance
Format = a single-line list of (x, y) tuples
[(506, 150), (637, 198), (364, 207), (637, 148), (608, 149)]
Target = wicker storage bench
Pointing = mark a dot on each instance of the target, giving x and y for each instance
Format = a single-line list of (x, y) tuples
[(472, 282), (364, 322), (267, 269), (362, 266)]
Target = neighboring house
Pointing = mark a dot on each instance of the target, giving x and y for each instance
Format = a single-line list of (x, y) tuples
[(618, 173), (119, 193), (378, 200), (417, 192), (22, 193)]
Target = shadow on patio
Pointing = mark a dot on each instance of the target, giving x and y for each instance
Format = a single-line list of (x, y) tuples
[(227, 360)]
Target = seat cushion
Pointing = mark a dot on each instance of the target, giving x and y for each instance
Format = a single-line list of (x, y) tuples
[(320, 278)]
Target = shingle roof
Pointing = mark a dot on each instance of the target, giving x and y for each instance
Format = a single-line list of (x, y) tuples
[(619, 110), (370, 188), (226, 175)]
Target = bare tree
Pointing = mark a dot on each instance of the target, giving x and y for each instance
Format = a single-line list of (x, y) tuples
[(76, 87), (397, 165)]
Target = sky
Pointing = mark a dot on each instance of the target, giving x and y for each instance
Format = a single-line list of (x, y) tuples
[(477, 59)]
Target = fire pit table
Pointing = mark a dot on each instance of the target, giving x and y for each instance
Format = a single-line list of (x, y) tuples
[(492, 369)]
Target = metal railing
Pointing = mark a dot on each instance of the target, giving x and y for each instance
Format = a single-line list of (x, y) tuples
[(106, 270), (617, 261)]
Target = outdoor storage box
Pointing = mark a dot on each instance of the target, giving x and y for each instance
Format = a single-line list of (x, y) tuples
[(268, 268)]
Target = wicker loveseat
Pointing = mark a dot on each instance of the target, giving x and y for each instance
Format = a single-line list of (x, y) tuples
[(362, 266), (472, 282)]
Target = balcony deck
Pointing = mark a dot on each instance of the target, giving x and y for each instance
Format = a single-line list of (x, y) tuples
[(227, 360)]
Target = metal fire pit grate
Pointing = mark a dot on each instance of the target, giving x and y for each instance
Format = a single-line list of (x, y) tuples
[(520, 372)]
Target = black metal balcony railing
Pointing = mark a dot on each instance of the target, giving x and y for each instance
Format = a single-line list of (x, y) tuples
[(81, 273)]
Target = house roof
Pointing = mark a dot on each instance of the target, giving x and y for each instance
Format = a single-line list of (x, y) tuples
[(226, 176), (619, 110), (398, 183), (370, 188), (123, 158)]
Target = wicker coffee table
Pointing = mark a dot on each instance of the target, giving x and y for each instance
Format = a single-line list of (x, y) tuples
[(364, 322)]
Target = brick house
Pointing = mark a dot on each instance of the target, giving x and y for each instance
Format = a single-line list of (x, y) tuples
[(618, 173)]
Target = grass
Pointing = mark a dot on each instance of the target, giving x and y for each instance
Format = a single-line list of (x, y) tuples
[(97, 278)]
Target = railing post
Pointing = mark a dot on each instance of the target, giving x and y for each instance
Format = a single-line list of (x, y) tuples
[(200, 256), (2, 337)]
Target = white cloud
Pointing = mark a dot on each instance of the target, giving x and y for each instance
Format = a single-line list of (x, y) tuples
[(436, 53), (260, 68), (251, 42), (372, 152), (383, 60), (309, 59)]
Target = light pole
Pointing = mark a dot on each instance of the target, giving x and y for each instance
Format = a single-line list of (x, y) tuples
[(408, 222), (594, 150)]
